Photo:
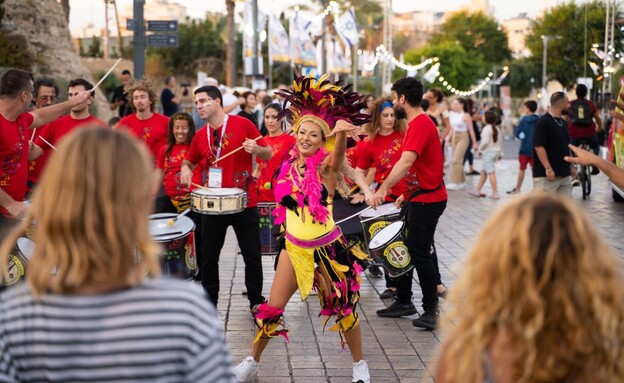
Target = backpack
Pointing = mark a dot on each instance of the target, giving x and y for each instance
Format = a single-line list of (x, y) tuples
[(581, 113)]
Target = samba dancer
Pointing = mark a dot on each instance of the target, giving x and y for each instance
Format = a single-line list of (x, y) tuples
[(221, 135), (421, 164), (306, 184)]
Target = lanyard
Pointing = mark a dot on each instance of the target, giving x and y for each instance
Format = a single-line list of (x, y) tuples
[(224, 126)]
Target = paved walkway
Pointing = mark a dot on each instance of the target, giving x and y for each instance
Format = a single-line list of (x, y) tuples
[(395, 350)]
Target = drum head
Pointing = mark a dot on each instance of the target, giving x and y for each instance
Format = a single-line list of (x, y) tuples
[(385, 235), (26, 247), (382, 210), (161, 230)]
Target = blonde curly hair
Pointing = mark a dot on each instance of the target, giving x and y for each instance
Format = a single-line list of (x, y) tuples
[(144, 85), (542, 284)]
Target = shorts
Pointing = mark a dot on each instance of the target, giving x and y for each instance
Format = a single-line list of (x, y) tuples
[(524, 160), (489, 161)]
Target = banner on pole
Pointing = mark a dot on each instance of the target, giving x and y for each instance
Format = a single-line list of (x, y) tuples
[(301, 44), (279, 50), (347, 29)]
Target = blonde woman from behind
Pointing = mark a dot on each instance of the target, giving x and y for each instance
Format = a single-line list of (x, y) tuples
[(99, 317), (551, 305)]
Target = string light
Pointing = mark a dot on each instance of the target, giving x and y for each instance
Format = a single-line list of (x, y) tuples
[(481, 85), (381, 53)]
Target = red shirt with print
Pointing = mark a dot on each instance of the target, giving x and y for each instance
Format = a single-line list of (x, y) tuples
[(427, 171), (381, 154), (353, 153), (237, 167), (152, 131), (280, 146), (14, 156), (170, 166), (54, 131)]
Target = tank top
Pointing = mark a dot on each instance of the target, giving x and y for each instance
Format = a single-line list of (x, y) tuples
[(304, 226), (457, 122)]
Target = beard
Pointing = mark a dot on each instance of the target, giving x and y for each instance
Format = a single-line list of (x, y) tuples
[(399, 112)]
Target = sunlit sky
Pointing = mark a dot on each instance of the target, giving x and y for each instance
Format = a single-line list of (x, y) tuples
[(92, 11)]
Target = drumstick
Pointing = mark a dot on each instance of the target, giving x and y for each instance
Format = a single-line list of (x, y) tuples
[(199, 186), (32, 136), (172, 221), (106, 75), (375, 217), (49, 144), (354, 215), (233, 151)]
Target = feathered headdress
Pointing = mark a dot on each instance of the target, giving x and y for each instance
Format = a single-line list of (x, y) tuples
[(322, 102)]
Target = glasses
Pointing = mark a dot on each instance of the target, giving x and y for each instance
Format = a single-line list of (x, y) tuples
[(47, 98)]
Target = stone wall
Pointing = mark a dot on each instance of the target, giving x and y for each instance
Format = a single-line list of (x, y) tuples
[(42, 23)]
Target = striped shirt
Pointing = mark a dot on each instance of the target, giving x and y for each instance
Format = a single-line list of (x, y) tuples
[(159, 331)]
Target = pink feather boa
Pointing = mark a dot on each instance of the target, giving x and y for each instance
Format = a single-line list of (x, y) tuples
[(310, 186)]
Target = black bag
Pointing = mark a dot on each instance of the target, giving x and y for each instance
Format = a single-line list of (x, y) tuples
[(580, 113)]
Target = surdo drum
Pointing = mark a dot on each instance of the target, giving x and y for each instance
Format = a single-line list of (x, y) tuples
[(388, 247), (214, 201), (178, 242), (373, 221), (19, 260)]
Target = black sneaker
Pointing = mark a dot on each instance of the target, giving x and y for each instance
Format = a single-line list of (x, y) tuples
[(594, 171), (388, 293), (428, 321), (397, 309), (375, 272)]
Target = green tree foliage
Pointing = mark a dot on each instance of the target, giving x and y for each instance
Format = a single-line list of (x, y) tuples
[(520, 74), (198, 39), (477, 34), (458, 67), (13, 52), (94, 49), (566, 53)]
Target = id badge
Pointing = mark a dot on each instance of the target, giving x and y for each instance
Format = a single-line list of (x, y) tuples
[(215, 177)]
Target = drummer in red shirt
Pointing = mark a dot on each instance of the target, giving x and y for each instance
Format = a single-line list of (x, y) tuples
[(280, 143), (144, 123), (422, 167), (77, 117), (222, 135)]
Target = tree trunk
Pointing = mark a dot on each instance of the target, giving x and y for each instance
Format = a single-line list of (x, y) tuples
[(65, 4), (230, 71)]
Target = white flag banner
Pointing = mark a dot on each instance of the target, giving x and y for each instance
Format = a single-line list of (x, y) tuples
[(303, 50), (432, 73), (337, 62), (248, 32), (347, 29), (279, 50)]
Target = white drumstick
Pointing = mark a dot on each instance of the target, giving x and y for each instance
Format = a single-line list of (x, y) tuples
[(354, 215), (106, 75), (49, 144), (375, 217), (32, 137)]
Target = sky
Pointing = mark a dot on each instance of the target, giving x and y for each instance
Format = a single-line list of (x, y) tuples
[(92, 11)]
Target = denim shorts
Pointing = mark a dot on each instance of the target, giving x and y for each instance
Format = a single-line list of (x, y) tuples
[(489, 161)]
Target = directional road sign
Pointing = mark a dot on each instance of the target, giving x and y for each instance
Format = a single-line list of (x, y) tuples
[(162, 25), (170, 41)]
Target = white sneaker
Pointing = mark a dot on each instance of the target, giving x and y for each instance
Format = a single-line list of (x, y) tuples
[(360, 372), (247, 370), (452, 186)]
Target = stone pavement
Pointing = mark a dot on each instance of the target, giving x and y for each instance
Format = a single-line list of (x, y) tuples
[(395, 350)]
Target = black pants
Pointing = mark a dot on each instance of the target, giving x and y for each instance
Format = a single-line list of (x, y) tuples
[(423, 219), (6, 225), (246, 225)]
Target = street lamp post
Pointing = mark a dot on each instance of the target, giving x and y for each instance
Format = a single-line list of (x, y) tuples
[(545, 63)]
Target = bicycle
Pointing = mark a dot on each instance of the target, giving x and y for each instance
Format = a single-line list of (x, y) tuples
[(584, 173)]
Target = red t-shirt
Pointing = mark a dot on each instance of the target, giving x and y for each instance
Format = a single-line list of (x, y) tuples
[(353, 153), (583, 131), (427, 171), (237, 167), (35, 167), (14, 156), (171, 171), (54, 131), (280, 146), (152, 131), (382, 153)]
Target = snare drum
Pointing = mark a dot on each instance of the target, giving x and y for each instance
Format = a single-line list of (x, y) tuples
[(268, 244), (374, 220), (19, 259), (178, 242), (388, 247), (215, 201)]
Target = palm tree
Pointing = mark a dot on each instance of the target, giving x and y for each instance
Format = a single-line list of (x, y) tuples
[(230, 55)]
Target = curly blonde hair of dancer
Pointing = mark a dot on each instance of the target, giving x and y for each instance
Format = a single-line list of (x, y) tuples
[(91, 211), (373, 127), (540, 277), (145, 85)]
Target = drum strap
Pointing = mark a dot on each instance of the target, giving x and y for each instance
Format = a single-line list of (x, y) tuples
[(418, 192)]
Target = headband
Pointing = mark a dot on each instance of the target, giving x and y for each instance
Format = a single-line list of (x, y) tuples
[(385, 105)]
